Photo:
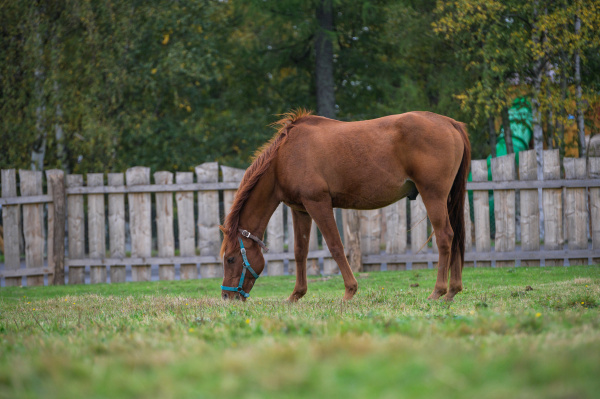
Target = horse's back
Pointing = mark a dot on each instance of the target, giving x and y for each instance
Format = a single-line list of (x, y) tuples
[(367, 164)]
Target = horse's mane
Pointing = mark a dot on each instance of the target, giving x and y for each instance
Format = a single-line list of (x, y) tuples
[(260, 164)]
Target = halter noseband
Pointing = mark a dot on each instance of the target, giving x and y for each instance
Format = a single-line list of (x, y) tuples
[(246, 264)]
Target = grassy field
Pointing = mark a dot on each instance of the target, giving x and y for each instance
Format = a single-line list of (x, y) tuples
[(178, 339)]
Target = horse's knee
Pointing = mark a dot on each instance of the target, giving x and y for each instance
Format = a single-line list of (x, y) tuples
[(444, 239)]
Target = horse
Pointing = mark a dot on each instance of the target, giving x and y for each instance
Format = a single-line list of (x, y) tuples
[(314, 164)]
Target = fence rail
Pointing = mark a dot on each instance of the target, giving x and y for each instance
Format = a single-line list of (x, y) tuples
[(116, 231)]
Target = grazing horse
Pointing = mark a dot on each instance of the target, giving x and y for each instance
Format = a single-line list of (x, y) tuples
[(314, 164)]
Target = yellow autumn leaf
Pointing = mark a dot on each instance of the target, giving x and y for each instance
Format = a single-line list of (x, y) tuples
[(165, 39)]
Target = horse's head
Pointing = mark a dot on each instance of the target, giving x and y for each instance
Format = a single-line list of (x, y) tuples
[(243, 262)]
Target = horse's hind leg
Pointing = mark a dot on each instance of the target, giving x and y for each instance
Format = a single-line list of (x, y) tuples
[(302, 223), (438, 214), (322, 213)]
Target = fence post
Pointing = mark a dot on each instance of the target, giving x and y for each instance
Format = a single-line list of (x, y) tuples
[(33, 224), (575, 208), (418, 230), (503, 169), (395, 216), (56, 229), (481, 208), (530, 210), (96, 228), (209, 237), (76, 229), (164, 225), (116, 228), (140, 221), (553, 208), (11, 220), (185, 222), (468, 230), (370, 236), (275, 241), (594, 173)]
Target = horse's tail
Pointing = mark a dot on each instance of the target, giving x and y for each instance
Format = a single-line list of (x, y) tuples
[(456, 199)]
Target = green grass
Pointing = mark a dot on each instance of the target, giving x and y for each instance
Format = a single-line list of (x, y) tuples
[(179, 340)]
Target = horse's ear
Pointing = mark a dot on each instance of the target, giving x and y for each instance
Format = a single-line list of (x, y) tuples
[(222, 229)]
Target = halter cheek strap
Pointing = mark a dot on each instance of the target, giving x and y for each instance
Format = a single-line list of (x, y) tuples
[(247, 266)]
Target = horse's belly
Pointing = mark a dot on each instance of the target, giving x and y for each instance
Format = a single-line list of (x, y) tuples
[(369, 197)]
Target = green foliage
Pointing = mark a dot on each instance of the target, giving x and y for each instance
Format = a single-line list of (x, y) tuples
[(101, 86)]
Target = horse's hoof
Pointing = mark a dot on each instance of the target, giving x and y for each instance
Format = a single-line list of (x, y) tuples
[(436, 294)]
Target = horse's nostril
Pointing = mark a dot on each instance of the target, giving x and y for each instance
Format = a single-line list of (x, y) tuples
[(225, 296)]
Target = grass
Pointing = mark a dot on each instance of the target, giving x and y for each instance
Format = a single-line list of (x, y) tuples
[(178, 340)]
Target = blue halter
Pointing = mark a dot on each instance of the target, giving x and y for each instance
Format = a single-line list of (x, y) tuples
[(246, 265)]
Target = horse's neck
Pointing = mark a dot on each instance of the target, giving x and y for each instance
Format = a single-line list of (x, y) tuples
[(260, 205)]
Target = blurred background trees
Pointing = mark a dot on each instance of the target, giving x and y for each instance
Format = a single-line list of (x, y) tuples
[(102, 85)]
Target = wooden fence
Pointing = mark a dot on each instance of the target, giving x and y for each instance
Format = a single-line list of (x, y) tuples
[(118, 230)]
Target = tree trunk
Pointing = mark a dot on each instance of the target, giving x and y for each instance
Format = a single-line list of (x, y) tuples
[(324, 61), (492, 133), (562, 117), (538, 132), (549, 125), (326, 108), (507, 131), (38, 152), (580, 124)]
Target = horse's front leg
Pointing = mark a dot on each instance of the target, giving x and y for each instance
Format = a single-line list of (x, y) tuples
[(302, 224), (322, 213)]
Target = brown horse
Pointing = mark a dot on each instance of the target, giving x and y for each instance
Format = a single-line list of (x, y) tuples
[(314, 164)]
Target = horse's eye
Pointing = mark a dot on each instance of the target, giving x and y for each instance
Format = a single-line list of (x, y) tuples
[(231, 260)]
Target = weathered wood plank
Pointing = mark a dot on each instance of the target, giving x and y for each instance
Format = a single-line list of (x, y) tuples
[(33, 225), (503, 169), (553, 207), (418, 230), (96, 228), (11, 221), (351, 226), (34, 199), (152, 188), (209, 236), (140, 221), (370, 235), (594, 173), (230, 175), (180, 259), (164, 225), (481, 208), (484, 256), (275, 241), (468, 230), (20, 273), (290, 240), (186, 225), (530, 212), (396, 237), (576, 207), (56, 225), (330, 266), (76, 229), (116, 228)]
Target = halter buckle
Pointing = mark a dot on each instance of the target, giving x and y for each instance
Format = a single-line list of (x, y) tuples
[(245, 233)]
